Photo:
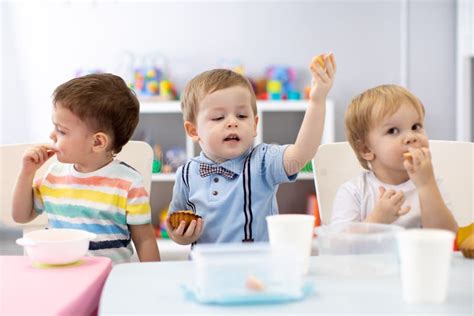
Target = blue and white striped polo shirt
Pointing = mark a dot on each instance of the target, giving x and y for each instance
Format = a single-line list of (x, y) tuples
[(233, 210)]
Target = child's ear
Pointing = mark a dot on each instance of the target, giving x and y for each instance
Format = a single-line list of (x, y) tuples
[(191, 130), (101, 142), (255, 126), (365, 152)]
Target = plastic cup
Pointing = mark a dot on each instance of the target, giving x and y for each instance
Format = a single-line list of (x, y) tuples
[(293, 232), (425, 256)]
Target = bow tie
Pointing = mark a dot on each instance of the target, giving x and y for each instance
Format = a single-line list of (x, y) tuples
[(207, 170)]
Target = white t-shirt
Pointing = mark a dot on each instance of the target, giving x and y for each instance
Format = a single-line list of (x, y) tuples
[(356, 198)]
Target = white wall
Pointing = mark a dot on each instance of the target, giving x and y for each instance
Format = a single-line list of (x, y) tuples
[(44, 44)]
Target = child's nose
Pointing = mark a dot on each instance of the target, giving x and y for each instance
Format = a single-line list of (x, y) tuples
[(52, 136), (232, 122), (411, 138)]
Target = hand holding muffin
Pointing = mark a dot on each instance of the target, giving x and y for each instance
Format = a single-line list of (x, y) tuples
[(184, 227)]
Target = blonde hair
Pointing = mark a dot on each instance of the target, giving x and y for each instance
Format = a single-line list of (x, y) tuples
[(208, 82), (370, 107)]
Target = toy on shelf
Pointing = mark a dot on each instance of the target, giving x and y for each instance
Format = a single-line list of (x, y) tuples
[(148, 76), (157, 159), (307, 168), (174, 157), (281, 83), (162, 228)]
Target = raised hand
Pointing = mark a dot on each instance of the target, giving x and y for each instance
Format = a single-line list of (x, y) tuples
[(323, 68), (419, 166), (35, 157)]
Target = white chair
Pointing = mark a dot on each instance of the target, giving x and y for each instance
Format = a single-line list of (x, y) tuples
[(453, 161), (137, 154)]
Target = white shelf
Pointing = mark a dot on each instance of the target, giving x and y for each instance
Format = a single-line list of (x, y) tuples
[(147, 106), (170, 177), (163, 177)]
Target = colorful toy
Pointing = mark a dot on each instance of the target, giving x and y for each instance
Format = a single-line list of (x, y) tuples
[(281, 82)]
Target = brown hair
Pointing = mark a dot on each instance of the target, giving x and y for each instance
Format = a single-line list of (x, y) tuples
[(104, 103), (208, 82), (370, 107)]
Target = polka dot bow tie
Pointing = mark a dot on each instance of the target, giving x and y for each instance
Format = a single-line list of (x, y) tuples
[(207, 170)]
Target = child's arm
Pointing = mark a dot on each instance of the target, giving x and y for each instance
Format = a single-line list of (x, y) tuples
[(311, 130), (145, 242), (22, 204), (434, 212)]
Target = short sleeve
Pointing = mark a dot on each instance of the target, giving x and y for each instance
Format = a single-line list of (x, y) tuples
[(271, 164), (38, 204), (138, 204), (346, 206), (179, 201)]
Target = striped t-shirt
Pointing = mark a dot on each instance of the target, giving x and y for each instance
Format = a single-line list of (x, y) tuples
[(103, 202)]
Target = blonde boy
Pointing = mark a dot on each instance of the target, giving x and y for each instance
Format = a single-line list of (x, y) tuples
[(94, 117), (232, 184), (385, 127)]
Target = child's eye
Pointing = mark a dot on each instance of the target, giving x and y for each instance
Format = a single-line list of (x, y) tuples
[(59, 131), (393, 131), (242, 116), (217, 118), (417, 127)]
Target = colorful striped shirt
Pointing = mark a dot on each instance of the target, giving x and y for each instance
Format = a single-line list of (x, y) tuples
[(103, 202)]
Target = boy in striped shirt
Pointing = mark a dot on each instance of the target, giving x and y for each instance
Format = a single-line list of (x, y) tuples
[(94, 117), (232, 184)]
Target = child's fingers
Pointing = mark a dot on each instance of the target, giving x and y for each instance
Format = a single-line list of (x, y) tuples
[(190, 231), (388, 193), (397, 197), (404, 210), (381, 191), (333, 62), (330, 66), (180, 229), (199, 225)]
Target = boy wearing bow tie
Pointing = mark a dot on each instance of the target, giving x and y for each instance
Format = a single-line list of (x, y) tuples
[(232, 184)]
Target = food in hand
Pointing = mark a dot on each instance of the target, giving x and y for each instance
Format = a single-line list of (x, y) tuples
[(407, 156), (320, 60), (254, 284), (186, 216), (467, 247)]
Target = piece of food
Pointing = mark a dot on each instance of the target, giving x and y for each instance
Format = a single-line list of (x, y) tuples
[(320, 60), (407, 156), (254, 284), (467, 247), (186, 216)]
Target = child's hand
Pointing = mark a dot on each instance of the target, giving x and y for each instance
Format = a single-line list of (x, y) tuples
[(419, 167), (322, 77), (36, 156), (388, 208), (185, 237)]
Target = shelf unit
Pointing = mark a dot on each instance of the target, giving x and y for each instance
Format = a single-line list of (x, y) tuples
[(279, 122)]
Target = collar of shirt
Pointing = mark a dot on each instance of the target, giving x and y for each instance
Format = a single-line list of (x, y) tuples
[(235, 165)]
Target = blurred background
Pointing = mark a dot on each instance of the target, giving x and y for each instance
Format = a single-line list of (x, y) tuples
[(157, 46), (419, 44)]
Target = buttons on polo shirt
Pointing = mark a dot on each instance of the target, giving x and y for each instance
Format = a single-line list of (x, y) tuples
[(216, 179), (215, 193)]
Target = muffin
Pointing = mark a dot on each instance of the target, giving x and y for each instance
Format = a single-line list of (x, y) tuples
[(467, 247), (186, 216)]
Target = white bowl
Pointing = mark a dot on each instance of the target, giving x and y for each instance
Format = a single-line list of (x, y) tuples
[(57, 245)]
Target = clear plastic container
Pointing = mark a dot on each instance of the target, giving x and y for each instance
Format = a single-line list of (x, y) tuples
[(357, 249), (251, 273)]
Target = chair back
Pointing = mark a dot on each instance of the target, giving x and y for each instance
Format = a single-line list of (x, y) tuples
[(137, 154), (336, 163)]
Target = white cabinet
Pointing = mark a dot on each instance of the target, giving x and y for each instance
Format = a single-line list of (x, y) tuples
[(162, 123)]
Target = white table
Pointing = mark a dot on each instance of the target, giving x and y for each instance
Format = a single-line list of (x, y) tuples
[(154, 288)]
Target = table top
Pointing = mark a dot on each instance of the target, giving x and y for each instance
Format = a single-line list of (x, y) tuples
[(158, 289), (67, 290)]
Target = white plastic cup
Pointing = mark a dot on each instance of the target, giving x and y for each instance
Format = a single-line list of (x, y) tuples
[(293, 232), (425, 258)]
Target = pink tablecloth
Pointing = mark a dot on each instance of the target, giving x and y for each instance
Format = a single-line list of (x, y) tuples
[(68, 290)]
